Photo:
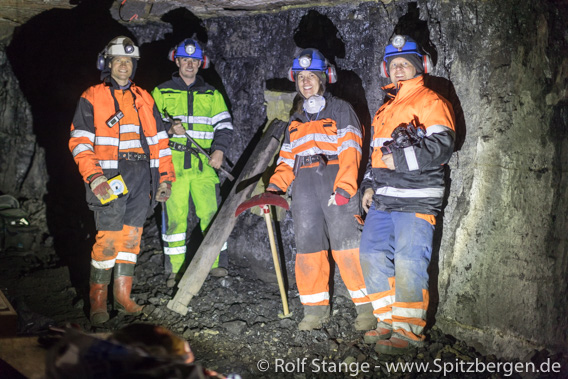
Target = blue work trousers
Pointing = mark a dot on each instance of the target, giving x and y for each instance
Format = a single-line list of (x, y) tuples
[(395, 252)]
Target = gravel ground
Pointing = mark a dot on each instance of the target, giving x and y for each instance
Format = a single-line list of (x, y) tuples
[(234, 324)]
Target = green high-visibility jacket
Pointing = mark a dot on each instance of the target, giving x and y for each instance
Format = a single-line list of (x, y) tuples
[(200, 107)]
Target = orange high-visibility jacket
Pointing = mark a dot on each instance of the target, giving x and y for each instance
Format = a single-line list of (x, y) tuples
[(95, 145), (417, 183), (336, 132)]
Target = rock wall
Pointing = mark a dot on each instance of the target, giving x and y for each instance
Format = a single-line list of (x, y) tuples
[(22, 161), (500, 266), (503, 257)]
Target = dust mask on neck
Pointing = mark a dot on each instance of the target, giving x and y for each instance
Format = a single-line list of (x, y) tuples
[(314, 104)]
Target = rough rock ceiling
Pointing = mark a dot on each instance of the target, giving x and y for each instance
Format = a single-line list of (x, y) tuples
[(17, 12)]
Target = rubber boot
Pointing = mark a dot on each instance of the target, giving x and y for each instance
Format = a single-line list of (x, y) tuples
[(394, 346), (314, 317), (397, 345), (365, 320), (219, 268), (382, 332), (171, 280), (98, 294), (122, 289)]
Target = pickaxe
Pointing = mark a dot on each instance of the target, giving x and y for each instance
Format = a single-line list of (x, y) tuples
[(264, 201)]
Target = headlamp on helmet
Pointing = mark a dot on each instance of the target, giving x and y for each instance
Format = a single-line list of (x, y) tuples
[(189, 48), (398, 42), (305, 61), (312, 60), (122, 46)]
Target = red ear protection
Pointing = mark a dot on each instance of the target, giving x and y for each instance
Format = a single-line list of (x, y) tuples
[(427, 63), (205, 61), (291, 75), (331, 74), (171, 54), (383, 69)]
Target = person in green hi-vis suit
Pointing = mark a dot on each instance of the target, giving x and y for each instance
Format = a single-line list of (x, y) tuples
[(192, 107)]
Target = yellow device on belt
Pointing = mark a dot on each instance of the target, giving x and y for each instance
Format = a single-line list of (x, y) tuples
[(118, 187)]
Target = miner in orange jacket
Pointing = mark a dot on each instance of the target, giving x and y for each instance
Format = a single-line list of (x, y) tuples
[(403, 189), (117, 130), (321, 154)]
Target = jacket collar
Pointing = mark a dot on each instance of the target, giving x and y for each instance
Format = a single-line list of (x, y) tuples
[(404, 87), (109, 81), (198, 83)]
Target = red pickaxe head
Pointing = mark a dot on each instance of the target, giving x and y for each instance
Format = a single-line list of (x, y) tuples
[(262, 200)]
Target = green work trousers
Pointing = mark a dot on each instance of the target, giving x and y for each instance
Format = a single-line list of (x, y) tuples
[(191, 184)]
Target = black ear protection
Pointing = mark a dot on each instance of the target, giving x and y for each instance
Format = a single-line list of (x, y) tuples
[(426, 66), (101, 60), (330, 72)]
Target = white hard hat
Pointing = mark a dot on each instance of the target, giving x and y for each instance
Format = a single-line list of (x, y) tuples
[(122, 46)]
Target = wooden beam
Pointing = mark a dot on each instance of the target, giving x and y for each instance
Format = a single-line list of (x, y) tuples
[(8, 318), (224, 222)]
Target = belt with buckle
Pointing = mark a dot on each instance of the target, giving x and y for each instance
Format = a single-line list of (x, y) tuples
[(179, 147), (131, 156), (321, 159), (310, 159)]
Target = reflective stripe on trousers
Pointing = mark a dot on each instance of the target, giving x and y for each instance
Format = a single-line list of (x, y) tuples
[(113, 247), (191, 185)]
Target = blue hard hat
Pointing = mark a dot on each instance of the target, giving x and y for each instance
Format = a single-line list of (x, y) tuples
[(189, 48), (309, 60), (401, 45)]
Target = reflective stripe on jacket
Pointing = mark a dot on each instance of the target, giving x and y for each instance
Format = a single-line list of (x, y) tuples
[(201, 109), (417, 183), (95, 145), (336, 131)]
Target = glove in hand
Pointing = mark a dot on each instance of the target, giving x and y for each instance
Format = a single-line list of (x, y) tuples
[(100, 187), (337, 199), (164, 191)]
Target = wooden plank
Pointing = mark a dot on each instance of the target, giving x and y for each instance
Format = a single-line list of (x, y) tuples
[(8, 318), (224, 222), (25, 355)]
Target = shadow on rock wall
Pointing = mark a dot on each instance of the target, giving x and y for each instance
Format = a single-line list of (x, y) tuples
[(53, 56)]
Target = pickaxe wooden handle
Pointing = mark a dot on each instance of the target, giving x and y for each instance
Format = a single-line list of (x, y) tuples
[(264, 201)]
